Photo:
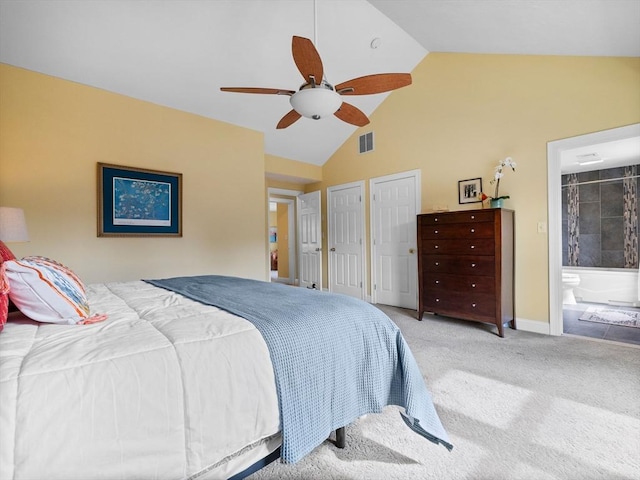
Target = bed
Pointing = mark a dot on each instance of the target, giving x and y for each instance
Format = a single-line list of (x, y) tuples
[(173, 386)]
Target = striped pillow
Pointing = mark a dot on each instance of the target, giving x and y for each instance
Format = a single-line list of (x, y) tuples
[(46, 291)]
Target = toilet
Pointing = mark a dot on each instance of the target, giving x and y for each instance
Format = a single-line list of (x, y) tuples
[(569, 282)]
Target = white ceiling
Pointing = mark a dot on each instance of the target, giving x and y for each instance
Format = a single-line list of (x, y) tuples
[(618, 153), (178, 53)]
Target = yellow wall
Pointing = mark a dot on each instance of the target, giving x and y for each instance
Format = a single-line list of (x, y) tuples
[(273, 222), (464, 113), (283, 240), (53, 133), (290, 171)]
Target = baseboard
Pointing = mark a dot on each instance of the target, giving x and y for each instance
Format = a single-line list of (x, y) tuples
[(533, 326), (523, 324), (281, 280)]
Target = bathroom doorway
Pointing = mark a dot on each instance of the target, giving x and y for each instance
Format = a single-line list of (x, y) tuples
[(593, 235)]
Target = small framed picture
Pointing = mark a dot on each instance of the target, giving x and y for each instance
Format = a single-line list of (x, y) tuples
[(469, 190)]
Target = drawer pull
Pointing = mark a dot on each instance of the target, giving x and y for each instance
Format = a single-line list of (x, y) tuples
[(437, 281), (473, 305), (473, 285), (436, 246), (473, 217), (473, 265), (435, 219), (473, 230), (473, 246), (437, 263), (436, 231), (437, 299)]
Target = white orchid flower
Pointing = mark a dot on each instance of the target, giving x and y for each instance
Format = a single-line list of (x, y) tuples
[(507, 162)]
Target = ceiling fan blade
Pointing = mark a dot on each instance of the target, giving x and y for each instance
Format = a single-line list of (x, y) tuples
[(268, 91), (307, 59), (377, 83), (288, 119), (350, 114)]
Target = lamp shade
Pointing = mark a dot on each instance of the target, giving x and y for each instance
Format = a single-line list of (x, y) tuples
[(316, 102), (13, 226)]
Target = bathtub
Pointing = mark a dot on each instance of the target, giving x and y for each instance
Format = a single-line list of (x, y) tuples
[(615, 286)]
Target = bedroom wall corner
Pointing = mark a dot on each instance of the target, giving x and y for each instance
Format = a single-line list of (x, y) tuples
[(466, 112), (53, 133)]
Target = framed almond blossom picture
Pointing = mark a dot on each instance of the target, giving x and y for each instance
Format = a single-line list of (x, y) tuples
[(138, 202)]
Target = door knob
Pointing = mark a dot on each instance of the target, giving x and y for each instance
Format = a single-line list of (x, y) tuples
[(318, 249), (333, 249), (412, 250)]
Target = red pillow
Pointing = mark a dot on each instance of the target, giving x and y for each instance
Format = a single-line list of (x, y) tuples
[(5, 253), (4, 298)]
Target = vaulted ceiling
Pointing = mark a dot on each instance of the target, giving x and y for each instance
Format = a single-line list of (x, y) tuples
[(178, 53)]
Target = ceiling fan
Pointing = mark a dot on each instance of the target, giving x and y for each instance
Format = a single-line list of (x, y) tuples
[(316, 98)]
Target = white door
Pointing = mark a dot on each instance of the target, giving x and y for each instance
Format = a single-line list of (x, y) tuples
[(346, 246), (395, 201), (310, 240)]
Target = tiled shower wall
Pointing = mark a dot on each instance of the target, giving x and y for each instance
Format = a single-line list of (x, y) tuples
[(600, 218)]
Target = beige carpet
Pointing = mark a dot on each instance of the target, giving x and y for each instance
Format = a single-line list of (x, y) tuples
[(526, 406)]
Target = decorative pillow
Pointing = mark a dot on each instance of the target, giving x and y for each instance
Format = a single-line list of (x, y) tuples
[(46, 291), (5, 253), (4, 298)]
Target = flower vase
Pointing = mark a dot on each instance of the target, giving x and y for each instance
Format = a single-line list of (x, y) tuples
[(497, 202)]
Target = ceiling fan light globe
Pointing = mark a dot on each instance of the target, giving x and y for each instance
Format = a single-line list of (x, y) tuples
[(316, 102)]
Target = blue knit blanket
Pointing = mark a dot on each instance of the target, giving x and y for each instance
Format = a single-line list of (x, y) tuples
[(335, 358)]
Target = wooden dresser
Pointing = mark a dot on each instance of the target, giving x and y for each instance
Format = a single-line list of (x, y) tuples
[(465, 265)]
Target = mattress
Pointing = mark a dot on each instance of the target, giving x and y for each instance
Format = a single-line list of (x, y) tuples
[(166, 388)]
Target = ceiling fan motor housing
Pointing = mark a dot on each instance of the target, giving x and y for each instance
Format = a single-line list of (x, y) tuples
[(316, 101)]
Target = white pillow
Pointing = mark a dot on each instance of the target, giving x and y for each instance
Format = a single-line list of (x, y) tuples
[(46, 291)]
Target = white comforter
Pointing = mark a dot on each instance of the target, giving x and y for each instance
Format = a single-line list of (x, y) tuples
[(166, 388)]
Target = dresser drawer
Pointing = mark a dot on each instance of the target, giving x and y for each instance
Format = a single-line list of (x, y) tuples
[(459, 246), (440, 283), (459, 264), (456, 217), (462, 305), (458, 230)]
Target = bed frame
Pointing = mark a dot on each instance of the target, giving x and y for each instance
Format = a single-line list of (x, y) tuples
[(340, 442)]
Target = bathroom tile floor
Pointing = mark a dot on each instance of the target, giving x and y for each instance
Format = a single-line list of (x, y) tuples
[(603, 331)]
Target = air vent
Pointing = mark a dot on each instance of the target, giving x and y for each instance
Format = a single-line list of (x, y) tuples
[(366, 142)]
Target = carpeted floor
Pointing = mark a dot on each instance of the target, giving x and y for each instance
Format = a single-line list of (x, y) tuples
[(527, 406), (612, 316)]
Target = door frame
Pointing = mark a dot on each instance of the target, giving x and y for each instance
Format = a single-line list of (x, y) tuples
[(363, 262), (293, 228), (417, 177), (554, 187)]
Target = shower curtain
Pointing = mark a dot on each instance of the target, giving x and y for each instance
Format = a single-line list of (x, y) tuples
[(630, 192)]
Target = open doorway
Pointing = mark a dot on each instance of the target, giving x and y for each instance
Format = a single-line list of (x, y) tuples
[(593, 235), (281, 235)]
